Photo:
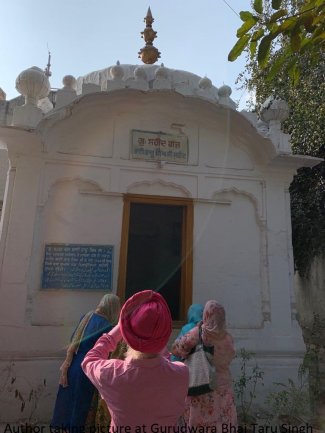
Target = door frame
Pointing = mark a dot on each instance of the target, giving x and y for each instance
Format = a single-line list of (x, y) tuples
[(187, 246)]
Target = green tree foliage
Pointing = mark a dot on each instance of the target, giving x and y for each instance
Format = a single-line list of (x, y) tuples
[(299, 78), (300, 23), (306, 124)]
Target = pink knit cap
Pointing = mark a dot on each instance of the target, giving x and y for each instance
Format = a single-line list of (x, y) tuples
[(145, 322)]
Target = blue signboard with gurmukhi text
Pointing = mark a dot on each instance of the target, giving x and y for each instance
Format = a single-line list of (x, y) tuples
[(77, 266)]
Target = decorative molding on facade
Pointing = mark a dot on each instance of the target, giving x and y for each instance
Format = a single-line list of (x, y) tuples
[(102, 193), (71, 179), (210, 201), (146, 78), (259, 211), (179, 190)]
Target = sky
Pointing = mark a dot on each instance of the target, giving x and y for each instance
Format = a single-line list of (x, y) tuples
[(89, 35)]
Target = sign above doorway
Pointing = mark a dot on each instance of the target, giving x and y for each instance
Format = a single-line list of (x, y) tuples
[(158, 146)]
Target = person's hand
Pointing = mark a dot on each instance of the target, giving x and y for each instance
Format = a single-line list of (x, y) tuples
[(214, 335), (64, 374)]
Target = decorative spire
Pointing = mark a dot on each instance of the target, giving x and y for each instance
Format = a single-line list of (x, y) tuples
[(149, 54), (47, 71)]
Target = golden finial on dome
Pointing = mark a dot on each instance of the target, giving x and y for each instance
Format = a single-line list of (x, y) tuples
[(149, 54)]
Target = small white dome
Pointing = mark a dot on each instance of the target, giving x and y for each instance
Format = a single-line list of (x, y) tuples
[(205, 83), (33, 84), (117, 71), (224, 91), (162, 72), (274, 109), (69, 82), (140, 73)]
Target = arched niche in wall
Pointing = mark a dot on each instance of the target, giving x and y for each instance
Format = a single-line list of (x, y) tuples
[(77, 212), (230, 256)]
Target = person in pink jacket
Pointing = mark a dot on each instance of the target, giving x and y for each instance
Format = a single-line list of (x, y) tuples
[(216, 408), (144, 392)]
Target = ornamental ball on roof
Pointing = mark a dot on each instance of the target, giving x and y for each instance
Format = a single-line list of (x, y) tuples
[(224, 91), (205, 83), (33, 84), (161, 72), (140, 73), (274, 109), (117, 71), (69, 82)]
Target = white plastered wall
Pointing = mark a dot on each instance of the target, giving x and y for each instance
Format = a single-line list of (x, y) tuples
[(70, 188)]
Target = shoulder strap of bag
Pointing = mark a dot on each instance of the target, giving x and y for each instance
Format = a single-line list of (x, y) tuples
[(208, 349)]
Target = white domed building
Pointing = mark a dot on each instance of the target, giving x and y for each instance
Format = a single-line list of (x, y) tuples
[(140, 177)]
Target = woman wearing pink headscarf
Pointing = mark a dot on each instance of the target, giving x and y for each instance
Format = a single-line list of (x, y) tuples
[(145, 389), (215, 408)]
